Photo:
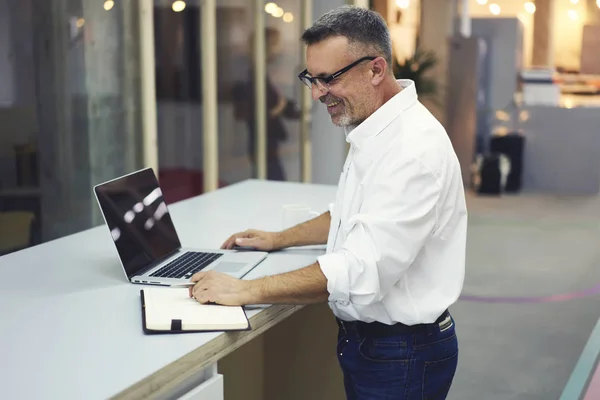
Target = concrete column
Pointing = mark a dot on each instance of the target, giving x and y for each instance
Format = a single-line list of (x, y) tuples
[(593, 13), (435, 30), (111, 97), (20, 13), (6, 62), (329, 147), (543, 34), (56, 157), (87, 67), (465, 19)]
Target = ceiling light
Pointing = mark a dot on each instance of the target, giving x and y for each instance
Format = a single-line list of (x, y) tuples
[(270, 7), (402, 3), (288, 17), (495, 9), (530, 7), (484, 2), (278, 12), (178, 6), (108, 5)]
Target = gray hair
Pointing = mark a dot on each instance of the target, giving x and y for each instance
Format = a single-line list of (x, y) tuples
[(359, 25)]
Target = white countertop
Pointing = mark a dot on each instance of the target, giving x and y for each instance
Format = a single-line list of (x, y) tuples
[(71, 323)]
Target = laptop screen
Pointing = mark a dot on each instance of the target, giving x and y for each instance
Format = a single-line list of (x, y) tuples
[(138, 219)]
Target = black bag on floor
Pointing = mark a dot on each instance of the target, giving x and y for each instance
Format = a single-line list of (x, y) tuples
[(490, 176)]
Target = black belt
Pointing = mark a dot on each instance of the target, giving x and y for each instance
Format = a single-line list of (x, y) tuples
[(380, 329)]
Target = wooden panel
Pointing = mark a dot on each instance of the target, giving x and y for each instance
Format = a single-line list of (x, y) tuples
[(244, 371), (300, 357), (294, 360), (543, 38), (381, 7), (590, 48)]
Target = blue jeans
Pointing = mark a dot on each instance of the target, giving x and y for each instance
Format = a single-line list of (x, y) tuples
[(408, 366)]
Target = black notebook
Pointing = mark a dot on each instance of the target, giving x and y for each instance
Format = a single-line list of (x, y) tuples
[(171, 310)]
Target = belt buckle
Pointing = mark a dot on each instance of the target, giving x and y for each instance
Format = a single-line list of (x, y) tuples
[(446, 323)]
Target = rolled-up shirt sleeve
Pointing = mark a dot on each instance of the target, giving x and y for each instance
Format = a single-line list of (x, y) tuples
[(382, 240), (330, 208)]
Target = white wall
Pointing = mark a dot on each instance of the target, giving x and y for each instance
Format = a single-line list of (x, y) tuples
[(503, 35), (510, 8)]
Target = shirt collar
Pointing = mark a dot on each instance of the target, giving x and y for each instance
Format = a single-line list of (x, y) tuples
[(383, 116)]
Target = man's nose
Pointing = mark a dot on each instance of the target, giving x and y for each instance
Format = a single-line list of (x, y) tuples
[(316, 92)]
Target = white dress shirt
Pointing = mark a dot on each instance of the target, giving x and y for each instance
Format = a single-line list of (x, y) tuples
[(397, 240)]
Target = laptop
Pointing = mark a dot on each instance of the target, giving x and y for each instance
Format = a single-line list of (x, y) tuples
[(147, 243)]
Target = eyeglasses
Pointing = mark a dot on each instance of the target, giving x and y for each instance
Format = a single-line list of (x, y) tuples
[(322, 82)]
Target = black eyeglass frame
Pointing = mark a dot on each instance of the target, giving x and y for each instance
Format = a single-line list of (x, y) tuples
[(303, 76)]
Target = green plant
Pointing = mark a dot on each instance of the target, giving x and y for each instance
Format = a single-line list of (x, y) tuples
[(416, 68)]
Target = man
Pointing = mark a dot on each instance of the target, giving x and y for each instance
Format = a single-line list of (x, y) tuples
[(396, 234)]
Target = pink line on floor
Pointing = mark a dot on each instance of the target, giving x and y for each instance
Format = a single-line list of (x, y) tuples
[(593, 390)]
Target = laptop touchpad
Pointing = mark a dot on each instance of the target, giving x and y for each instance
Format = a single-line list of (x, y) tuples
[(228, 266)]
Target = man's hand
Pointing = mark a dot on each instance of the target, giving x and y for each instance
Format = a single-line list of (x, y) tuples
[(303, 286), (258, 240), (314, 231), (216, 287)]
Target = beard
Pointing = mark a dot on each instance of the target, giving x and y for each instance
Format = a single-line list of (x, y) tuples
[(344, 116), (344, 121)]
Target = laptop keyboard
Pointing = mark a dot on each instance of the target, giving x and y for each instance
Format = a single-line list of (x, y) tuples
[(186, 265)]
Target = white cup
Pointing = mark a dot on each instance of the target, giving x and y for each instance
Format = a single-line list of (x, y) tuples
[(294, 214)]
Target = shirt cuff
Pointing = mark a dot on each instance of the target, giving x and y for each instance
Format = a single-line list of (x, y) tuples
[(331, 207), (334, 267)]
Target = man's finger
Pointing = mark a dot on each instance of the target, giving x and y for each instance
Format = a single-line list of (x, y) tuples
[(198, 276), (229, 242), (197, 291), (247, 242), (205, 297)]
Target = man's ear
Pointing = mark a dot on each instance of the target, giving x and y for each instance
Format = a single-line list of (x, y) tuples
[(378, 70)]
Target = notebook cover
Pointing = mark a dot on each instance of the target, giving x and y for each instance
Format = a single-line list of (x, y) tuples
[(176, 324)]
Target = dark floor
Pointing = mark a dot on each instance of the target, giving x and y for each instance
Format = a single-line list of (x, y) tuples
[(534, 246)]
